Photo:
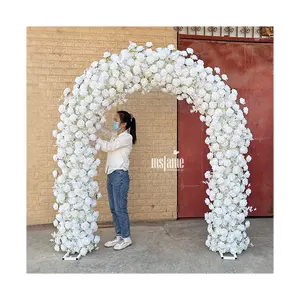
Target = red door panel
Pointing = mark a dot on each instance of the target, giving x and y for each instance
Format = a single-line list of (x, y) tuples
[(191, 146), (249, 67)]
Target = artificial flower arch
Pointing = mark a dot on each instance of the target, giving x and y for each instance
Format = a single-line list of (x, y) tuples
[(107, 83)]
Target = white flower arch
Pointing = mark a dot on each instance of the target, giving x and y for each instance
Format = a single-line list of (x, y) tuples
[(108, 82)]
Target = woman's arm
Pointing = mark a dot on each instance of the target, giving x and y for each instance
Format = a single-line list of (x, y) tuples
[(119, 142)]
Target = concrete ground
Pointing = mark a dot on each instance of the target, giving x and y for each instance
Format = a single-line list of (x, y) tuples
[(160, 247)]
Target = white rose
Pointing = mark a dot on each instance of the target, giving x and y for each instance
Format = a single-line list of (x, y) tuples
[(73, 117), (136, 79), (80, 79), (105, 102), (224, 77), (148, 52), (128, 75), (160, 64), (120, 86), (169, 68), (217, 78), (140, 57), (105, 93), (106, 54), (157, 77), (243, 150), (136, 87), (83, 251), (83, 92), (80, 123), (125, 54), (136, 70), (210, 155), (112, 92), (180, 61), (113, 66), (60, 125), (93, 85), (176, 82), (210, 78), (66, 91), (183, 53), (189, 50), (132, 45), (232, 96), (55, 206), (217, 70), (144, 82), (54, 133), (162, 54), (153, 68), (97, 239), (208, 70), (78, 134), (149, 44), (104, 67), (150, 59), (171, 47), (163, 72), (193, 72), (248, 158), (215, 147), (242, 101), (139, 48), (89, 124), (189, 62), (208, 86), (94, 64), (82, 109)]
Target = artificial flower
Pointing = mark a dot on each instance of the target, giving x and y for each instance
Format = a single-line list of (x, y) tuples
[(224, 77)]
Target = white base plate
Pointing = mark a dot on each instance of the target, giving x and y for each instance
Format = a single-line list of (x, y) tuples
[(229, 257), (68, 257)]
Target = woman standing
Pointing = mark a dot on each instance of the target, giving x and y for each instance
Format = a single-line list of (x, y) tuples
[(117, 164)]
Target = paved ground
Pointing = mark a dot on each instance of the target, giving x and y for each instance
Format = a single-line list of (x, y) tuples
[(161, 247)]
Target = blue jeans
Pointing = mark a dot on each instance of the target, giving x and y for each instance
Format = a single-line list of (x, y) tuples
[(117, 188)]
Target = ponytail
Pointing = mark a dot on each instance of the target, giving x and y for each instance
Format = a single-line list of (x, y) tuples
[(133, 130)]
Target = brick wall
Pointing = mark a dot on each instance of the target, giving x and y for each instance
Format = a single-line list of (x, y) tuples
[(55, 56)]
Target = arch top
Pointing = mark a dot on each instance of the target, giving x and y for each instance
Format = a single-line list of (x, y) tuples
[(108, 82)]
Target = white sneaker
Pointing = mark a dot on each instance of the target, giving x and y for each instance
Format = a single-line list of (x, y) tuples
[(114, 242), (123, 244)]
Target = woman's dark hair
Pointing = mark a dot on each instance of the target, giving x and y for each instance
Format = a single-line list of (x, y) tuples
[(126, 117)]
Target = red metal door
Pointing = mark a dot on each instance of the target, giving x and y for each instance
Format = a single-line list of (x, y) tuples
[(249, 66)]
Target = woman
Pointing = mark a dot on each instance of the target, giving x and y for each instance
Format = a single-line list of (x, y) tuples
[(118, 150)]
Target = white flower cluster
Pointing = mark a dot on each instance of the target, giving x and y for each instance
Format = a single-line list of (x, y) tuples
[(108, 82)]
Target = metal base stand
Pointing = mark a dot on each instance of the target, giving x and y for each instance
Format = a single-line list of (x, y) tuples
[(68, 257), (231, 257)]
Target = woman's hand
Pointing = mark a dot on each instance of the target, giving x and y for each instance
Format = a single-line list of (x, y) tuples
[(104, 132)]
